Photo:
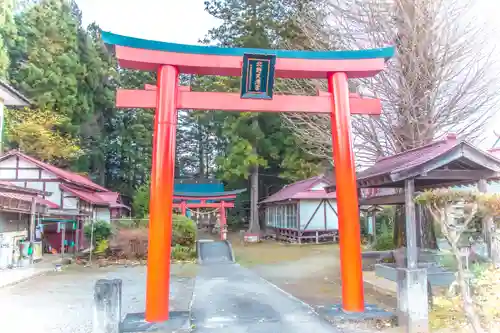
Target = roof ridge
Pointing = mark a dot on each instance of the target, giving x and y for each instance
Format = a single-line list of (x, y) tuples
[(81, 180), (430, 144)]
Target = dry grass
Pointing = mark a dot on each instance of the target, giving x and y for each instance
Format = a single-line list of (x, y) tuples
[(272, 252)]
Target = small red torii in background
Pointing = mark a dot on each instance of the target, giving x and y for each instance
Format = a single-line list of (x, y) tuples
[(258, 69)]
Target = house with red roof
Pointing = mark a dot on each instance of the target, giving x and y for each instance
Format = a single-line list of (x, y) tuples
[(303, 212), (68, 196), (17, 205)]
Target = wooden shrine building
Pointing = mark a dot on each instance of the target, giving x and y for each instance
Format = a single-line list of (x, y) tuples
[(303, 212)]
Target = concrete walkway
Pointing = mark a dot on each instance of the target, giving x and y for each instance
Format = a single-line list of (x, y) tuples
[(13, 276), (228, 298)]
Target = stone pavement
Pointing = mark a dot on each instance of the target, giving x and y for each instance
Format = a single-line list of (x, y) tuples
[(380, 284), (228, 298), (13, 276)]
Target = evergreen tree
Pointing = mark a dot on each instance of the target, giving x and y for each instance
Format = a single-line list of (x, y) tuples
[(45, 61), (257, 140), (8, 33)]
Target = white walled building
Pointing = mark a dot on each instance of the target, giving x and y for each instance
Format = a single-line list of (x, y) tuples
[(69, 196), (303, 211)]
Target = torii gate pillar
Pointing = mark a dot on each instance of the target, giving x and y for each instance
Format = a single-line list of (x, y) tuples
[(347, 195), (258, 68)]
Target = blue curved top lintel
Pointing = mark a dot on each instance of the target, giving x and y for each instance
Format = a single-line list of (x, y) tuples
[(115, 39)]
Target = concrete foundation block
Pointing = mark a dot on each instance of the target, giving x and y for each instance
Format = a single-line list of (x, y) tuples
[(178, 322), (413, 305), (372, 317), (107, 306)]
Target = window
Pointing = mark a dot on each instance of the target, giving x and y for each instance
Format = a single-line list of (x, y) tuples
[(282, 216), (292, 216)]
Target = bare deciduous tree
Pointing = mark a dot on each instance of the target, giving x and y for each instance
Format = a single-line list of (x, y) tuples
[(441, 79)]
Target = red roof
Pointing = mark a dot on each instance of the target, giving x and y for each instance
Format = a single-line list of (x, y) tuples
[(97, 198), (80, 186), (28, 198), (68, 176), (47, 203), (302, 190)]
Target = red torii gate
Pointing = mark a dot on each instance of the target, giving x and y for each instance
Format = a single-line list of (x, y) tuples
[(257, 68), (182, 202)]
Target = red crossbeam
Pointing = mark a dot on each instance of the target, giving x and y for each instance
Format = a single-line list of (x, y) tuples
[(205, 205), (220, 197), (190, 100)]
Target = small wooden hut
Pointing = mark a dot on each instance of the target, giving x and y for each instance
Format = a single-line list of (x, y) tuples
[(302, 212)]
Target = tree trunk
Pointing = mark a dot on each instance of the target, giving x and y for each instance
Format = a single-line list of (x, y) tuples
[(201, 151), (254, 198), (427, 236), (399, 227)]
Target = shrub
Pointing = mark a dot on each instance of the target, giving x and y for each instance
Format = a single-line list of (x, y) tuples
[(102, 231), (183, 231), (102, 246), (140, 201), (384, 242), (180, 252), (130, 243), (131, 223)]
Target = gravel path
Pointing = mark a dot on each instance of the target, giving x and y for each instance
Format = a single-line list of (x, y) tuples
[(316, 280), (63, 302)]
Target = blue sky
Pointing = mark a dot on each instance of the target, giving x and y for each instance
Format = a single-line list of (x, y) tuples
[(185, 21)]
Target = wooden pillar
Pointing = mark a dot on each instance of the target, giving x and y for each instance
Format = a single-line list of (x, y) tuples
[(183, 208), (411, 230), (63, 238), (161, 203), (374, 225), (223, 222), (32, 220), (347, 195)]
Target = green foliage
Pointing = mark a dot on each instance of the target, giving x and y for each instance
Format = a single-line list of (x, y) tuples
[(8, 32), (126, 223), (183, 231), (65, 69), (102, 231), (102, 246), (140, 203), (183, 253), (252, 143), (385, 241), (36, 133), (45, 59), (384, 229)]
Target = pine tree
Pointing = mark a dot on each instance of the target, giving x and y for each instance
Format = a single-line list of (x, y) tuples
[(257, 140), (8, 34), (45, 59)]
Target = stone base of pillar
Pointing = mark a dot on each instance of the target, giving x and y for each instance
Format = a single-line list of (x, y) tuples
[(178, 322), (413, 304), (373, 316)]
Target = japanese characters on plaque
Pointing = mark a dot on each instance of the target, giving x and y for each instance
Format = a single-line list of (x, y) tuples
[(257, 76)]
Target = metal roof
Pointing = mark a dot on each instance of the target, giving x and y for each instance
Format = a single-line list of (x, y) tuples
[(12, 97), (301, 190), (448, 157)]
